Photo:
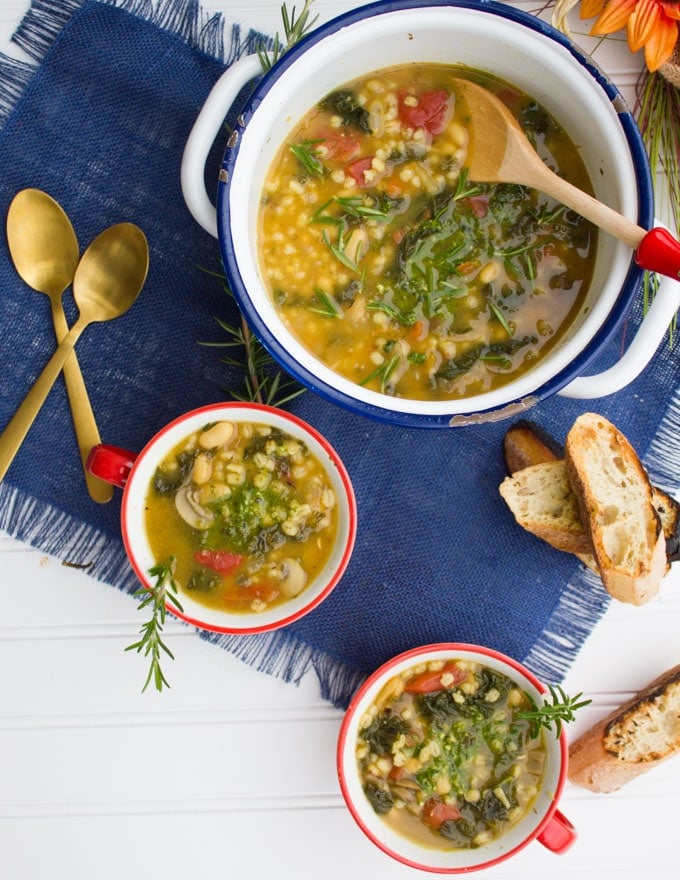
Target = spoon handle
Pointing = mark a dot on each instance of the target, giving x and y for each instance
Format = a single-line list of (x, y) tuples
[(584, 204), (15, 432), (87, 432)]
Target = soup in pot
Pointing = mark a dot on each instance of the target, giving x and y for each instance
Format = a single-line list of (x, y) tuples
[(394, 269)]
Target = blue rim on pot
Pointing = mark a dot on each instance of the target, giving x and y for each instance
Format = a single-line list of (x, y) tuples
[(248, 146)]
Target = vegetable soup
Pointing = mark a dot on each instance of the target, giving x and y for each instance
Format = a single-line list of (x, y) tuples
[(243, 513), (394, 269), (445, 757)]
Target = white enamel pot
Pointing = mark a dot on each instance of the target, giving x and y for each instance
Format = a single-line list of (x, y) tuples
[(502, 40)]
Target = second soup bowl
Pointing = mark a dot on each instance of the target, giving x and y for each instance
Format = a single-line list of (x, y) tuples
[(255, 515)]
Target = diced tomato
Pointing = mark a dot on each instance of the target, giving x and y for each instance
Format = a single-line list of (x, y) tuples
[(432, 111), (436, 812), (428, 682), (343, 146), (468, 266), (358, 169), (396, 772), (221, 561), (479, 205)]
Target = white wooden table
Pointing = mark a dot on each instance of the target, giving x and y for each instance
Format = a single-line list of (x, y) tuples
[(232, 773)]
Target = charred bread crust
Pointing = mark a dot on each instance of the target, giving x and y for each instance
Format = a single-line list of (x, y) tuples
[(526, 443), (633, 739), (669, 514)]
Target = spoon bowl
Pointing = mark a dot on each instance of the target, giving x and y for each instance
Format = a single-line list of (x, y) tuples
[(108, 280), (44, 249), (501, 153)]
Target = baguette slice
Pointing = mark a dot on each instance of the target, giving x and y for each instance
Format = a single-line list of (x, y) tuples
[(633, 739), (526, 444), (542, 502), (615, 499)]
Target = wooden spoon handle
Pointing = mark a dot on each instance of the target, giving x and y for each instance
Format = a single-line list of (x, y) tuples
[(15, 432), (87, 432), (587, 206), (656, 249)]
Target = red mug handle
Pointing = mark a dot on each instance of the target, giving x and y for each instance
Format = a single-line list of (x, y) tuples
[(110, 463), (559, 834)]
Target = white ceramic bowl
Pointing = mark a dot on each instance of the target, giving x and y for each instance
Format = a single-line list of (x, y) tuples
[(134, 474), (543, 822), (505, 41)]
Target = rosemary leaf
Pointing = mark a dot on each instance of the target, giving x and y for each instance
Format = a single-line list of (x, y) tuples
[(500, 317)]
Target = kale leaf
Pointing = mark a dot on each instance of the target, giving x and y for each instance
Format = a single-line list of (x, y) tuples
[(167, 482), (345, 104), (380, 798), (383, 733)]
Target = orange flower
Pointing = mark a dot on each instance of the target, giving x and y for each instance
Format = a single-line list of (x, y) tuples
[(652, 24)]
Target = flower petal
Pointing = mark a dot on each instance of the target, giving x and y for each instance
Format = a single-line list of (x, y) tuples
[(660, 45), (672, 10), (642, 23), (591, 8), (616, 14)]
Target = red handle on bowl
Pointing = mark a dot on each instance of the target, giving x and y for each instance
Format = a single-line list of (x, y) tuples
[(110, 463), (559, 834), (659, 252)]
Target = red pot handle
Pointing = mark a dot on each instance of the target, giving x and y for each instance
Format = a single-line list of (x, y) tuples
[(559, 834), (659, 252), (110, 463)]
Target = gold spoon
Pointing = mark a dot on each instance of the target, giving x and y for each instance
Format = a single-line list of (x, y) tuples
[(45, 252), (108, 280), (500, 153)]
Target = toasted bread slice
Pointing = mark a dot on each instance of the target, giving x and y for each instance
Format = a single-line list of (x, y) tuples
[(634, 738), (615, 501), (526, 444), (541, 500)]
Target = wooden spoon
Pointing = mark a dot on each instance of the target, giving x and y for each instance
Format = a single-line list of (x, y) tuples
[(45, 253), (501, 153), (108, 280)]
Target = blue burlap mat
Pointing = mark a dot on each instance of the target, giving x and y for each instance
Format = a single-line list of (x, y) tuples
[(99, 121)]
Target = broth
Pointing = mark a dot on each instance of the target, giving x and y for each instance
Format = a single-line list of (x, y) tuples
[(396, 271)]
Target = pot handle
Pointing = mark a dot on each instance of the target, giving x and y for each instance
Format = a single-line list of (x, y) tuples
[(640, 351), (203, 134)]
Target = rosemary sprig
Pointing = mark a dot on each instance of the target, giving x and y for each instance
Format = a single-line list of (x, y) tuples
[(500, 317), (294, 29), (338, 248), (308, 156), (327, 305), (383, 372), (553, 714), (151, 642), (406, 319), (261, 383)]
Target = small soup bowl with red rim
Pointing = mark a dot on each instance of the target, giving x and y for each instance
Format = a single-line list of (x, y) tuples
[(134, 473), (542, 820)]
